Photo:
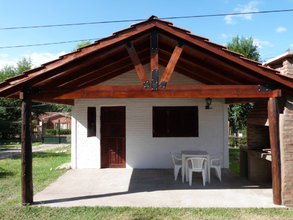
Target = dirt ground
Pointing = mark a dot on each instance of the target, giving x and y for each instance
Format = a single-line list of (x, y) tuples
[(15, 151)]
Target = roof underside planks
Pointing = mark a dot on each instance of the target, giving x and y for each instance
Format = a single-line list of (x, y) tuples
[(193, 56)]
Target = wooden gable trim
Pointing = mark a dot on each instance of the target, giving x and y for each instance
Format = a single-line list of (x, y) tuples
[(185, 91)]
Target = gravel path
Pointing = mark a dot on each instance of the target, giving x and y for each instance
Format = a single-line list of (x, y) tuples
[(15, 151)]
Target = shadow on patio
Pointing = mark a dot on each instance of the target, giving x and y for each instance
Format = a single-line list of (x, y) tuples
[(151, 187)]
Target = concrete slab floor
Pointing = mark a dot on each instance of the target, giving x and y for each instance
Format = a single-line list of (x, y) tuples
[(152, 188)]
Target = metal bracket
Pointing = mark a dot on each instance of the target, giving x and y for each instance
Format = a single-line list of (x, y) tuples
[(155, 76), (267, 87), (31, 90), (146, 84), (163, 84), (128, 44), (180, 44)]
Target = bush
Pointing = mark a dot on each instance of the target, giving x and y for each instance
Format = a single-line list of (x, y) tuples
[(51, 132), (54, 132), (237, 141), (65, 131)]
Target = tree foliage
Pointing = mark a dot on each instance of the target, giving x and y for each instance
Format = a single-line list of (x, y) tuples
[(238, 113), (10, 110), (82, 44), (244, 46)]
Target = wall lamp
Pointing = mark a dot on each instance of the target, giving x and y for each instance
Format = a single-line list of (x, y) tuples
[(208, 103)]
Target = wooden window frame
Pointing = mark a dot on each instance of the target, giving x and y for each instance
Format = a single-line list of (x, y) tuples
[(91, 122), (165, 125)]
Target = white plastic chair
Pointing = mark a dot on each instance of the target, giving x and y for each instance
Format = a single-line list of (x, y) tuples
[(177, 160), (197, 164), (216, 161)]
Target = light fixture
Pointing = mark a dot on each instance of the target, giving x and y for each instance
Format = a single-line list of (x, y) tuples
[(208, 103)]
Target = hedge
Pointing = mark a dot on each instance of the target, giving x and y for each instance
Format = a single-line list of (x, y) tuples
[(237, 141), (53, 132)]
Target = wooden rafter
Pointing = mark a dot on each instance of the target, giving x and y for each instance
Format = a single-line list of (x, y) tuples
[(185, 91), (243, 62), (137, 65), (198, 71), (171, 64)]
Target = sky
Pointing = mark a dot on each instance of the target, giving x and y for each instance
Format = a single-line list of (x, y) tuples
[(272, 32)]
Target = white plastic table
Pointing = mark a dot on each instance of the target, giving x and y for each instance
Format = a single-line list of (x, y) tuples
[(194, 153)]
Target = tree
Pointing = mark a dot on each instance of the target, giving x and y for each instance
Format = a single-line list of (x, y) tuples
[(82, 44), (244, 46), (238, 113), (10, 110)]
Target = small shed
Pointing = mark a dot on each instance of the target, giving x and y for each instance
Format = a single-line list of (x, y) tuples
[(146, 91)]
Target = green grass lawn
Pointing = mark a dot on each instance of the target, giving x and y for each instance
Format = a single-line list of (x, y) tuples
[(234, 159), (12, 146), (43, 175)]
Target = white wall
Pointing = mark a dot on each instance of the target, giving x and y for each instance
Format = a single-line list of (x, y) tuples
[(142, 150)]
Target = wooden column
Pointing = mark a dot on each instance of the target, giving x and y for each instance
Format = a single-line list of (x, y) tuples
[(154, 60), (26, 154), (273, 115)]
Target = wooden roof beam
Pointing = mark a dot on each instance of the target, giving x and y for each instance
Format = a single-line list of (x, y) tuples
[(199, 71), (154, 62), (137, 65), (171, 64), (180, 91)]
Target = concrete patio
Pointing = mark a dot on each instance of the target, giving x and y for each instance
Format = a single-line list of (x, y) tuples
[(151, 188)]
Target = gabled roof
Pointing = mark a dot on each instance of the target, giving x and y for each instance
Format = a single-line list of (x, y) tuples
[(177, 49), (45, 117)]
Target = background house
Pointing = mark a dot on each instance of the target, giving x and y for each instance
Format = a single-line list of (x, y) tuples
[(51, 120)]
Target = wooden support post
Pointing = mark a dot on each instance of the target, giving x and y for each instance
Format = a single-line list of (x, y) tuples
[(26, 154), (154, 60), (273, 115)]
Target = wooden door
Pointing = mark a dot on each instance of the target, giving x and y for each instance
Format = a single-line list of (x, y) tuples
[(113, 137)]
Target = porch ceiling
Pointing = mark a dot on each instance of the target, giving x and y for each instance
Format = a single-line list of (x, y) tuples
[(177, 49)]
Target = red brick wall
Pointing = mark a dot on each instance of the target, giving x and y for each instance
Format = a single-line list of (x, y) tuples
[(287, 157), (257, 126)]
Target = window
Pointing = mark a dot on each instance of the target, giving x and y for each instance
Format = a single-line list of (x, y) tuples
[(91, 121), (175, 121)]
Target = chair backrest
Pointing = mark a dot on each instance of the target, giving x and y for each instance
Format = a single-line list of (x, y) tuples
[(176, 157), (196, 162), (217, 159)]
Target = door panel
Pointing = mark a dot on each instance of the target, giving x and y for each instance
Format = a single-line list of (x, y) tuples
[(113, 137)]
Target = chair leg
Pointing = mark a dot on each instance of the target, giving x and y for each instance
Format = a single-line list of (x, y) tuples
[(190, 177), (218, 173), (203, 177), (176, 171)]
